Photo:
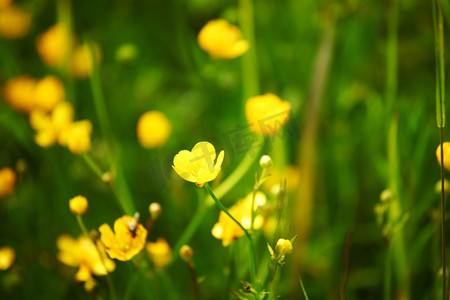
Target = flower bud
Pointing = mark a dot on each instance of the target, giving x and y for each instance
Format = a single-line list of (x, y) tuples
[(78, 205), (283, 247), (265, 162), (186, 252), (7, 257), (155, 210)]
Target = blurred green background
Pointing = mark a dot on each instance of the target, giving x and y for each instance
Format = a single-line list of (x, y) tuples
[(369, 127)]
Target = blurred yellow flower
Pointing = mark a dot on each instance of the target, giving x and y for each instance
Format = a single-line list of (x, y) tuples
[(48, 92), (197, 165), (78, 205), (160, 252), (82, 61), (446, 155), (127, 240), (5, 3), (266, 114), (14, 22), (222, 40), (7, 181), (277, 177), (283, 247), (227, 230), (186, 252), (77, 136), (7, 257), (83, 253), (153, 129), (49, 127), (18, 92), (53, 45)]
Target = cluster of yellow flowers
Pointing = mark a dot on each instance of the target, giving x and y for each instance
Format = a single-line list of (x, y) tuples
[(14, 21), (54, 46)]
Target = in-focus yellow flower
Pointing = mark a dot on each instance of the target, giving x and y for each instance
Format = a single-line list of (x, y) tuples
[(266, 114), (227, 230), (7, 257), (78, 136), (127, 240), (48, 92), (83, 253), (50, 127), (446, 154), (53, 45), (153, 129), (19, 93), (7, 181), (198, 165), (78, 205), (283, 247), (222, 40), (14, 22), (82, 62), (160, 252)]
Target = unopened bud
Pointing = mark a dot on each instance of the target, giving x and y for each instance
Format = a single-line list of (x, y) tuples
[(186, 252), (78, 205), (155, 210), (265, 162)]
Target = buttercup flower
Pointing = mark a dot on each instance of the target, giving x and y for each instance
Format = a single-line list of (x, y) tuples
[(82, 61), (446, 154), (7, 180), (19, 93), (14, 22), (222, 40), (266, 114), (78, 205), (283, 247), (198, 165), (84, 254), (227, 230), (53, 45), (127, 240), (48, 92), (77, 136), (7, 257), (159, 252), (153, 129)]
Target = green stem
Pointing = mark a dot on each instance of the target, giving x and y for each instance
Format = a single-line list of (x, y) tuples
[(93, 165), (387, 273), (249, 238), (274, 285)]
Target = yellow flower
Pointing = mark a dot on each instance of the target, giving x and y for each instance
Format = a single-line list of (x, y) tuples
[(82, 61), (127, 241), (14, 22), (222, 40), (227, 230), (160, 252), (83, 253), (78, 205), (7, 257), (283, 247), (53, 45), (50, 127), (19, 93), (7, 181), (197, 165), (277, 177), (48, 92), (77, 136), (446, 154), (153, 129), (266, 114), (5, 3)]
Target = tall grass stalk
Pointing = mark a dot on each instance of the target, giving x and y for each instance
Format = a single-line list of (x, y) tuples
[(438, 22)]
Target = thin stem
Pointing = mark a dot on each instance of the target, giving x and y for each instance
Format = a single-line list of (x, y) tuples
[(93, 165), (387, 273), (274, 285), (303, 287), (249, 238), (444, 260), (194, 279)]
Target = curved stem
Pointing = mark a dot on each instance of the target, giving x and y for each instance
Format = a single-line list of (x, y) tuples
[(249, 238)]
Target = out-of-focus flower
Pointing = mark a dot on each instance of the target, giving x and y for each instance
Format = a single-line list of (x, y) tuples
[(127, 240), (198, 165), (78, 205), (85, 255), (227, 230), (446, 154), (82, 61), (266, 114), (277, 177), (14, 22), (186, 252), (77, 137), (7, 257), (222, 40), (153, 129), (54, 45), (19, 93), (160, 252), (5, 3), (126, 52), (7, 181), (49, 127), (48, 92)]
